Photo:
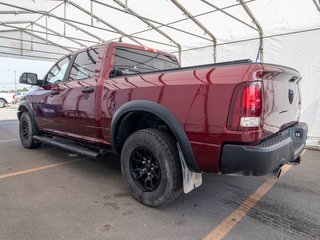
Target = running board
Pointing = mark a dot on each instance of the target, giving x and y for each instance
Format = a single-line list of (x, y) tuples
[(69, 147)]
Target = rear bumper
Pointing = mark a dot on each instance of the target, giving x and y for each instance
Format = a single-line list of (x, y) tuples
[(272, 153)]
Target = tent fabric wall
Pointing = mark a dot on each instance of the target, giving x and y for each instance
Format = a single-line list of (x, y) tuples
[(31, 47), (300, 51)]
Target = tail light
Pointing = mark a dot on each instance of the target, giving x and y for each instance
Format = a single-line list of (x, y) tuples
[(246, 107)]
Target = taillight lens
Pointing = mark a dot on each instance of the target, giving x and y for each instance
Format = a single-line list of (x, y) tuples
[(246, 107), (252, 99)]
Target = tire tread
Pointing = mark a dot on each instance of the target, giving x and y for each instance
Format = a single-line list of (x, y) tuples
[(174, 178), (31, 143)]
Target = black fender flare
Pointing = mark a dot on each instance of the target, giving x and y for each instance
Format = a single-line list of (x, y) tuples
[(25, 104), (164, 114)]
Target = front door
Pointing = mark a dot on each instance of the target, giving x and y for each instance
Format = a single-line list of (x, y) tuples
[(79, 96), (46, 100)]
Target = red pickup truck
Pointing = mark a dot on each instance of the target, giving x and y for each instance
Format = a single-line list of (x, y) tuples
[(168, 123)]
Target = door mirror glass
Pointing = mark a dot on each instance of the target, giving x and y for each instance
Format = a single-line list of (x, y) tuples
[(29, 78)]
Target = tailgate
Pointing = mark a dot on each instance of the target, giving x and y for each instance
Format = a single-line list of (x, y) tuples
[(282, 98)]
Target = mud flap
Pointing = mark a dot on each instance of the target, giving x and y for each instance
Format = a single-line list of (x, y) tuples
[(191, 180)]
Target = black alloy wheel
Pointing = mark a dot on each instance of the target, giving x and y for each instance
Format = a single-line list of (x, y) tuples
[(145, 169), (27, 130), (151, 167)]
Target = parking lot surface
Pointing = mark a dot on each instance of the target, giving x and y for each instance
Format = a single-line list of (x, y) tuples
[(48, 193)]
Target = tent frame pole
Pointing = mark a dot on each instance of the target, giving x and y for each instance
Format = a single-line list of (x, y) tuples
[(200, 25), (125, 6), (255, 21), (317, 4), (104, 22)]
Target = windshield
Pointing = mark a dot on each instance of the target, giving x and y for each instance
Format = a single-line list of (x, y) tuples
[(130, 61)]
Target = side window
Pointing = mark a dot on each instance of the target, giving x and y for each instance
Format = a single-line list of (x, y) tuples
[(57, 73), (130, 61), (84, 65)]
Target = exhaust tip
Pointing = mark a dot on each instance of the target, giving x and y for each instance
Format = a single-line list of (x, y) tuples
[(277, 172), (296, 161)]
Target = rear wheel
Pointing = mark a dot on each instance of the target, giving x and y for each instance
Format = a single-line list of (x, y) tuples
[(2, 103), (27, 130), (151, 167)]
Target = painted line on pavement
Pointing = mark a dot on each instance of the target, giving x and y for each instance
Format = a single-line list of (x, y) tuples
[(38, 169), (9, 140), (220, 231)]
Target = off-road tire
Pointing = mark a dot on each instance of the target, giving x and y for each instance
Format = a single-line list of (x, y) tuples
[(165, 153), (27, 130)]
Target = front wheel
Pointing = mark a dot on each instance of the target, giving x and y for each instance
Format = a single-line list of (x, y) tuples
[(27, 130), (151, 167), (2, 103)]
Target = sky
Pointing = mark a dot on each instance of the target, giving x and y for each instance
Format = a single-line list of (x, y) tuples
[(9, 65)]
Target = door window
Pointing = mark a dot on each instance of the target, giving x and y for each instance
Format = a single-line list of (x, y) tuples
[(84, 65), (56, 74)]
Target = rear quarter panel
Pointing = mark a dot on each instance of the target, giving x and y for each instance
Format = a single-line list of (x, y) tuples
[(174, 91), (207, 118), (198, 98)]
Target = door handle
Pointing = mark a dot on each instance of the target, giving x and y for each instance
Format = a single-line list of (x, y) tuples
[(88, 90)]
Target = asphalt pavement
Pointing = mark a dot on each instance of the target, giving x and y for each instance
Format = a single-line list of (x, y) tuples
[(48, 193)]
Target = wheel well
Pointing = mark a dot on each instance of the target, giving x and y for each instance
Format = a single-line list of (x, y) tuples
[(138, 114), (21, 110), (134, 121), (4, 100)]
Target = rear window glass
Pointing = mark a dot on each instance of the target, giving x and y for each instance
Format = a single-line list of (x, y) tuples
[(131, 61)]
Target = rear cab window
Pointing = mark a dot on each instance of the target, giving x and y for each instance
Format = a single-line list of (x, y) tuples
[(133, 61)]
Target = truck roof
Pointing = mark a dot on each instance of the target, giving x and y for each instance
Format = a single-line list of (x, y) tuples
[(128, 45), (145, 48)]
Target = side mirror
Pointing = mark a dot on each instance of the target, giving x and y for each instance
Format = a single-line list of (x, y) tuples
[(30, 78), (115, 73)]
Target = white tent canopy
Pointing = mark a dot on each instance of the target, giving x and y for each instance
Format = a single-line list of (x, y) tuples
[(285, 32)]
